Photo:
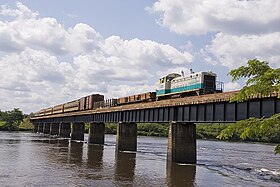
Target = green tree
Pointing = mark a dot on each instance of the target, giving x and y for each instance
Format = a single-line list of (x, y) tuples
[(261, 79), (25, 124), (253, 129), (12, 119)]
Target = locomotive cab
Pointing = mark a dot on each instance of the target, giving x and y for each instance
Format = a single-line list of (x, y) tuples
[(210, 84), (164, 83)]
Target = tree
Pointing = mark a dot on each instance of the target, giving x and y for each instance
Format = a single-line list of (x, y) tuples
[(253, 129), (12, 119), (262, 79)]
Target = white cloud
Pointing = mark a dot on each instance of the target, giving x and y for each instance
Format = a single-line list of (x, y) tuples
[(230, 16), (233, 51), (138, 51), (242, 29), (230, 86), (22, 12), (34, 76), (27, 29), (82, 39)]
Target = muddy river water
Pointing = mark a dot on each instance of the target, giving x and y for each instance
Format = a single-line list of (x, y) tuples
[(28, 159)]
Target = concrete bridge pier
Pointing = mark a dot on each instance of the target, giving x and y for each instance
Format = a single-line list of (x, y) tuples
[(41, 127), (126, 137), (182, 143), (46, 128), (64, 130), (54, 129), (77, 131), (96, 133), (35, 127)]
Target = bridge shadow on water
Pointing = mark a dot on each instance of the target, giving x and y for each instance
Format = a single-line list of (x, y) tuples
[(125, 166), (180, 174), (95, 156)]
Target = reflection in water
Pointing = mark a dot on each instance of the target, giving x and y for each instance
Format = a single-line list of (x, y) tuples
[(30, 160), (180, 175), (75, 155), (62, 150), (124, 166), (63, 143), (95, 156), (49, 141)]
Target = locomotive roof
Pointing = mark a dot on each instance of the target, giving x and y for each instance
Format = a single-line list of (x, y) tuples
[(171, 75), (188, 75)]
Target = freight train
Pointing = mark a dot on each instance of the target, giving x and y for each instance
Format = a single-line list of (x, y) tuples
[(170, 86)]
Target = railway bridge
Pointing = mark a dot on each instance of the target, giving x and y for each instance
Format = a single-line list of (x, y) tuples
[(181, 113)]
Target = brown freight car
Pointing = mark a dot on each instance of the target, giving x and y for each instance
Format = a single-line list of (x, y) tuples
[(48, 111), (71, 106), (91, 99), (122, 100), (82, 103), (86, 103), (58, 109), (110, 103), (41, 112), (148, 96)]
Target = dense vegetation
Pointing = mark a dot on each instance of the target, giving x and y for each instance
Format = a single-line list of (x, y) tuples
[(210, 130), (254, 129), (14, 120), (261, 79), (203, 130), (145, 129)]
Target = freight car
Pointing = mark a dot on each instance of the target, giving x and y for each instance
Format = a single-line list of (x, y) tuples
[(86, 103), (148, 96), (71, 106), (58, 109), (105, 103)]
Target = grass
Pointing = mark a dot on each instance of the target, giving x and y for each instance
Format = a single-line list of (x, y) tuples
[(2, 123)]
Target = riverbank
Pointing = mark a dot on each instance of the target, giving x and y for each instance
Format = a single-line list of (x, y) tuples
[(206, 131), (24, 125), (203, 130)]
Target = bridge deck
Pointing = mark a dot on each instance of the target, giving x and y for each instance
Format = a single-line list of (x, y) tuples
[(193, 100)]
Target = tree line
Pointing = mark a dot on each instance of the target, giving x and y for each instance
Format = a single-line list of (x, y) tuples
[(14, 120)]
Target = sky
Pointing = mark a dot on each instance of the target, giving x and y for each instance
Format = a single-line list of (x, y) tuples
[(52, 51)]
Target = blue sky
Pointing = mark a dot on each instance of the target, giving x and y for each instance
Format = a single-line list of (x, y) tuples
[(56, 51)]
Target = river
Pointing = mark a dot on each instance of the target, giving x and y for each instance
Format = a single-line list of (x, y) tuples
[(28, 159)]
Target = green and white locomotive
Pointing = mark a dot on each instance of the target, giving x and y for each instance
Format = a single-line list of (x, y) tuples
[(196, 83)]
